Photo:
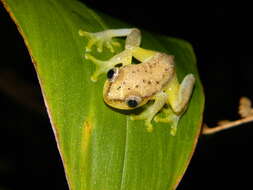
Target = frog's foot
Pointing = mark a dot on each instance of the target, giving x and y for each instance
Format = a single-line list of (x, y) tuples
[(103, 66), (144, 116), (168, 117), (152, 110), (100, 39)]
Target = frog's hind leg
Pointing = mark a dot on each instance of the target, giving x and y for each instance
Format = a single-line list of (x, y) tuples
[(179, 94), (178, 98), (152, 110)]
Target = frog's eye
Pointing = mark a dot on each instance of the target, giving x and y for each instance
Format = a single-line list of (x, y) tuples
[(112, 73), (118, 65), (133, 101)]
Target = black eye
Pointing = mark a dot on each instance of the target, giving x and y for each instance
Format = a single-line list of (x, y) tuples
[(118, 65), (110, 73), (132, 103)]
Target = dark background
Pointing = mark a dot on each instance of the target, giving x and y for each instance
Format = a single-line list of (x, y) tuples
[(222, 39)]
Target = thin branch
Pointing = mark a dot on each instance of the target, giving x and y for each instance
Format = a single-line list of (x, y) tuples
[(246, 113)]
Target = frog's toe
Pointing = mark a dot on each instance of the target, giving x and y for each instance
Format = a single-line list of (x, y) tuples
[(94, 60), (110, 46), (84, 33), (159, 119), (91, 39), (100, 45), (174, 124), (89, 45), (149, 126), (173, 128), (94, 78)]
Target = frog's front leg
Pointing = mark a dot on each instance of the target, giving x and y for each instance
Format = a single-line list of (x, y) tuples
[(105, 37), (147, 115)]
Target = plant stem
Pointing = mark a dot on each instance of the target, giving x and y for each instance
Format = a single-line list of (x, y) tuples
[(245, 111)]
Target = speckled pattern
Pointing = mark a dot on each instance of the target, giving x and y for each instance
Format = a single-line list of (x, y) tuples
[(143, 80)]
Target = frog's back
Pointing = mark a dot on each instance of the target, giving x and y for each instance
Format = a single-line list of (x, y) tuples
[(144, 79)]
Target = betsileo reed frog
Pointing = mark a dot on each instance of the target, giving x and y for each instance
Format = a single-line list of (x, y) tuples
[(130, 86)]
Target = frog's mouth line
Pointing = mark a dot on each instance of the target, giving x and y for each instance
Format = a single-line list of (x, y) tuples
[(121, 104)]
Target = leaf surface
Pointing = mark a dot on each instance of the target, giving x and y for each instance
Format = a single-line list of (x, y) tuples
[(101, 148)]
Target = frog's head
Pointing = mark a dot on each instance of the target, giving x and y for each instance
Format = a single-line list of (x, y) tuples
[(119, 92)]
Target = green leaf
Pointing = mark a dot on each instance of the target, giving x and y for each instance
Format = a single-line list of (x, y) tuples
[(101, 148)]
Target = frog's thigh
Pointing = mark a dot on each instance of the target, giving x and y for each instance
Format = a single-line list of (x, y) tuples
[(179, 101), (152, 110)]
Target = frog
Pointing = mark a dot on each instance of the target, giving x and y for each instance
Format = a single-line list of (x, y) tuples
[(152, 83)]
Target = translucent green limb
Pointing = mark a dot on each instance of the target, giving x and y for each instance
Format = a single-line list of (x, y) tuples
[(100, 39), (104, 38), (169, 117), (179, 95), (125, 57), (178, 98), (152, 110)]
